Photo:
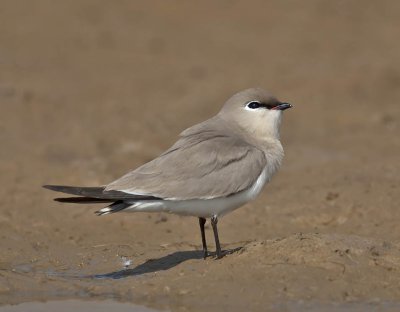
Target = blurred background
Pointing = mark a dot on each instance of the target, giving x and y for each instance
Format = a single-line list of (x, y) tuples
[(91, 89)]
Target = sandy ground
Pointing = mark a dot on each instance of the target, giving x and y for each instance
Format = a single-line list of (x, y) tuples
[(90, 89)]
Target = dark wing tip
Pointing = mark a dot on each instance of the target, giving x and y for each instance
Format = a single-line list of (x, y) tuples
[(82, 200), (97, 192), (57, 188)]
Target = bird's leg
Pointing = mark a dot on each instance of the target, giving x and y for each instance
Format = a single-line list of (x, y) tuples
[(214, 221), (202, 221)]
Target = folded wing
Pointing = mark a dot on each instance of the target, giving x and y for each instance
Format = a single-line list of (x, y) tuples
[(203, 164)]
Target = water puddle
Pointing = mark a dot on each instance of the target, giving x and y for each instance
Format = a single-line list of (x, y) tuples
[(75, 305), (149, 266)]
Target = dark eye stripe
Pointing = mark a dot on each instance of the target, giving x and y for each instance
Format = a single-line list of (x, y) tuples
[(269, 106)]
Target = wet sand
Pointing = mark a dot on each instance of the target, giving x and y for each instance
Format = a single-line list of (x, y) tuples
[(74, 305), (91, 89)]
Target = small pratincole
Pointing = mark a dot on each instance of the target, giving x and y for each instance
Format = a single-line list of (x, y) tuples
[(215, 167)]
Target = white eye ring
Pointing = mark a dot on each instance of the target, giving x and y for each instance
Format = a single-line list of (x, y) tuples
[(253, 105)]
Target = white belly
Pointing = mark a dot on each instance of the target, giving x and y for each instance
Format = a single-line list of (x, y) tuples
[(204, 208)]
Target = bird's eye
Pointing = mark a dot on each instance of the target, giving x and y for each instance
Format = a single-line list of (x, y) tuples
[(253, 105)]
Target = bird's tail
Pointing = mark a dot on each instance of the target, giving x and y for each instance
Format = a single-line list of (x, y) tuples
[(83, 200), (95, 195), (114, 207), (96, 192)]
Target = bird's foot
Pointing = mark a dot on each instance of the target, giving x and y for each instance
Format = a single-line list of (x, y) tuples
[(223, 253)]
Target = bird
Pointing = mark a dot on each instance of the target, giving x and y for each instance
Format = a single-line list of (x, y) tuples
[(215, 167)]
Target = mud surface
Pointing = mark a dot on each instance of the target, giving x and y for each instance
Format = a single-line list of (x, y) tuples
[(91, 89), (75, 305)]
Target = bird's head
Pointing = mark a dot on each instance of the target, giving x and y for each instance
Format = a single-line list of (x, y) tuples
[(255, 111)]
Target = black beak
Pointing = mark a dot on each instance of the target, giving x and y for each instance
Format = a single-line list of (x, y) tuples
[(283, 106)]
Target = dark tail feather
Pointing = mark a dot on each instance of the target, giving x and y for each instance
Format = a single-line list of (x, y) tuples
[(82, 200), (95, 195), (115, 207), (96, 192), (77, 190)]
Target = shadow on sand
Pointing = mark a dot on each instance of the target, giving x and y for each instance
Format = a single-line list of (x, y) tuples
[(153, 265), (160, 264)]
